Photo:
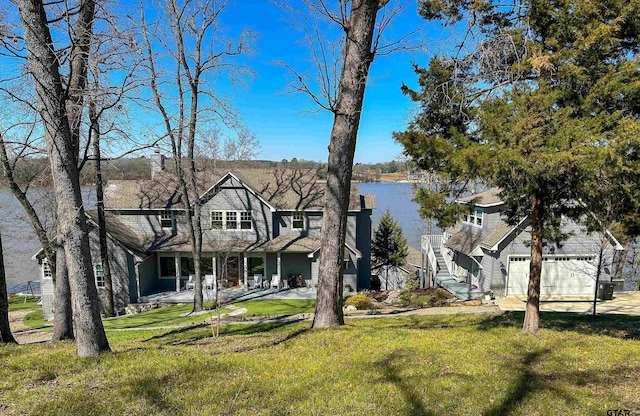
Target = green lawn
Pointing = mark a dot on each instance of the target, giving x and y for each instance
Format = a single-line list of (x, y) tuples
[(18, 302), (277, 307), (170, 315), (431, 365)]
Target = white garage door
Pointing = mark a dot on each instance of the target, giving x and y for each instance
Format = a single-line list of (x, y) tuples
[(561, 275)]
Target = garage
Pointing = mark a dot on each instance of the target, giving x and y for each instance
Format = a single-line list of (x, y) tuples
[(561, 275)]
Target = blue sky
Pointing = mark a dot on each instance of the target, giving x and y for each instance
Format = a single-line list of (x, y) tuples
[(283, 127)]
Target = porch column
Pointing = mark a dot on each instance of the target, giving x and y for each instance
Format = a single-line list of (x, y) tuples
[(177, 259), (245, 271), (279, 267)]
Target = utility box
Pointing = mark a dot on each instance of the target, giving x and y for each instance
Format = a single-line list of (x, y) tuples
[(618, 285), (605, 290)]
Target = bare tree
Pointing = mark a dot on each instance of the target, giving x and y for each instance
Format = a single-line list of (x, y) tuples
[(191, 54), (62, 148), (338, 85), (5, 331)]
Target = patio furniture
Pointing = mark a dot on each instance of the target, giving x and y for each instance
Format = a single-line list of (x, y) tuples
[(209, 281), (275, 281), (191, 283), (257, 281)]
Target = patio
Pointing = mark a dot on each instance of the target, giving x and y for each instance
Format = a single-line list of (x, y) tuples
[(230, 295)]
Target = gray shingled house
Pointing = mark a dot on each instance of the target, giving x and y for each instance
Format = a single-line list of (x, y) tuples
[(483, 253), (258, 224)]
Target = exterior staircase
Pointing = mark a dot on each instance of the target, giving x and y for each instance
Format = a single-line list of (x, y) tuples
[(444, 280)]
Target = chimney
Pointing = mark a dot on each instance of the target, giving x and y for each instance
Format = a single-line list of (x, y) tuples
[(157, 163)]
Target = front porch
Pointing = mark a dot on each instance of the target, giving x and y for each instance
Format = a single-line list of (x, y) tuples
[(436, 257)]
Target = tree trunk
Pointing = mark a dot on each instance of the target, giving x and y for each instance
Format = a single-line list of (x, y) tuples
[(357, 58), (532, 313), (43, 65), (63, 321), (622, 259), (5, 331), (102, 223), (603, 242)]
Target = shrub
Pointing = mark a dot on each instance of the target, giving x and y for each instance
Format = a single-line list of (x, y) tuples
[(360, 301), (413, 299)]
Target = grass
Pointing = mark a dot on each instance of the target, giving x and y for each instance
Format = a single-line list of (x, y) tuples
[(429, 365), (165, 316), (277, 307), (23, 302)]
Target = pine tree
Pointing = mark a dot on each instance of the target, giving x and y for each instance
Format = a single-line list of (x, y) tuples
[(548, 98), (389, 246)]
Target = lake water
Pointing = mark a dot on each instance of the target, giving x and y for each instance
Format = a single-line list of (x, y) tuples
[(20, 241)]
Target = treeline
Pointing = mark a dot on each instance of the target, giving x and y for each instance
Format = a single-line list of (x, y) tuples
[(36, 170)]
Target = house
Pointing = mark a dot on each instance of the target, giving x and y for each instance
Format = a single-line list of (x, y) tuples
[(257, 224), (483, 253)]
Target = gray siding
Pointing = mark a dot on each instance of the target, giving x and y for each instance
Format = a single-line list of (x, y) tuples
[(363, 243), (122, 271), (580, 243), (233, 197)]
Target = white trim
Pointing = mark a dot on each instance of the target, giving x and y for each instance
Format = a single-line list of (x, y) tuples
[(224, 219), (293, 220), (95, 275), (517, 227), (229, 174)]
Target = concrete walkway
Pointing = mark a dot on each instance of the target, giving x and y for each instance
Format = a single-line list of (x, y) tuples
[(623, 303)]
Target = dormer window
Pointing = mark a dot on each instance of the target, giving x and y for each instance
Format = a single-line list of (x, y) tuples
[(475, 218), (297, 221), (166, 219)]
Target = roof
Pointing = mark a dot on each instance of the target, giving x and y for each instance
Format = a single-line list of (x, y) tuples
[(487, 198), (464, 241), (284, 243), (414, 257), (497, 234), (283, 189), (121, 232)]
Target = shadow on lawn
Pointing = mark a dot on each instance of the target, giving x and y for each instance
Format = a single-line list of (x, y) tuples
[(617, 326), (390, 368), (182, 336)]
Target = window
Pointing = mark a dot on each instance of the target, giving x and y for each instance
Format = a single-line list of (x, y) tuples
[(345, 264), (216, 220), (98, 271), (166, 219), (245, 220), (297, 221), (46, 270), (475, 218), (231, 220)]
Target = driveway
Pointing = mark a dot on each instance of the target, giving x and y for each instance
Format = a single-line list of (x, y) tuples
[(627, 303)]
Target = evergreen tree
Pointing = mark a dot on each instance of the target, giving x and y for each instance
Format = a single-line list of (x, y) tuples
[(548, 98), (389, 246)]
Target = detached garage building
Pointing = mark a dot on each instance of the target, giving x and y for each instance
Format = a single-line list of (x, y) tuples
[(484, 253)]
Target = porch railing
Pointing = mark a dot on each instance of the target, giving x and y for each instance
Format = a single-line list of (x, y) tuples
[(430, 243)]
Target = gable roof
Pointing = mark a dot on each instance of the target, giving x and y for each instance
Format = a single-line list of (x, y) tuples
[(120, 232), (281, 189), (488, 198)]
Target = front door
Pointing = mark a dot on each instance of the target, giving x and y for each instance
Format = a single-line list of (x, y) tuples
[(231, 272)]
